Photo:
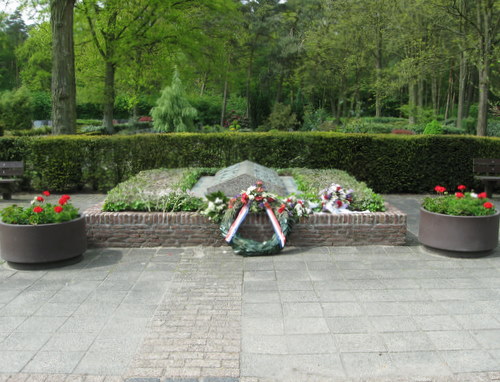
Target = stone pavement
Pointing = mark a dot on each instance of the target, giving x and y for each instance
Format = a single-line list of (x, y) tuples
[(204, 314)]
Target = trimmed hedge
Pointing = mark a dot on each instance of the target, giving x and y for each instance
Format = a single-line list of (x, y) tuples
[(387, 163)]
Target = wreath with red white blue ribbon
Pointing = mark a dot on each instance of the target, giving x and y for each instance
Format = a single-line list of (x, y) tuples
[(256, 199)]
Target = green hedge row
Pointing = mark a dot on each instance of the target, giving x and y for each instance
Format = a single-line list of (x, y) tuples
[(385, 163)]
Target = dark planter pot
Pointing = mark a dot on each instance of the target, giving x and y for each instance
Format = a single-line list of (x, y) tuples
[(458, 233), (44, 243)]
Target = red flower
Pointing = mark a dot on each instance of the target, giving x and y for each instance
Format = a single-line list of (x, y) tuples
[(461, 187), (40, 199), (439, 189), (281, 209), (46, 193), (258, 198), (259, 183), (339, 203), (270, 200), (482, 195), (459, 195), (488, 205), (63, 201), (244, 198), (37, 209), (58, 209), (67, 197)]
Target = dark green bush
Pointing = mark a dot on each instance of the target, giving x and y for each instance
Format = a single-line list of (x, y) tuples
[(386, 163), (16, 109), (42, 105)]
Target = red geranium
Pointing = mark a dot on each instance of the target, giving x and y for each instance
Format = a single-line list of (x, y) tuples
[(46, 193), (488, 205), (37, 209), (461, 187), (58, 209), (482, 195), (439, 189), (459, 195), (40, 199), (63, 201)]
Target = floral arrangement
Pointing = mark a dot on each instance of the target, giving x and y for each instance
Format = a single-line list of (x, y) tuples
[(335, 199), (459, 203), (40, 211)]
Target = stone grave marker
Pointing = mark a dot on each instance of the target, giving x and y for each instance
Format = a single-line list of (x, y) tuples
[(233, 179)]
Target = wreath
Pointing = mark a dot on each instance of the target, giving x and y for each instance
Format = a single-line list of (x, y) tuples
[(256, 199)]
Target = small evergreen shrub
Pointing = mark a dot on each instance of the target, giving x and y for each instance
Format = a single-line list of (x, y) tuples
[(282, 118), (173, 112), (433, 128), (16, 109)]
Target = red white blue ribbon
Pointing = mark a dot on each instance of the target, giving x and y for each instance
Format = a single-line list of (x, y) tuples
[(236, 224), (276, 225)]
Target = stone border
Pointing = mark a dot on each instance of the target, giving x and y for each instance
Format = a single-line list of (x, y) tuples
[(153, 229)]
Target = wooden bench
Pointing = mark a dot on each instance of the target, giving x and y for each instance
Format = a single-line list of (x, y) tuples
[(488, 171), (8, 170)]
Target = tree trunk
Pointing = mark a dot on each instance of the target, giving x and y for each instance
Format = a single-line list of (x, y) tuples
[(412, 98), (434, 95), (63, 67), (224, 102), (462, 77), (109, 96), (420, 97), (449, 95), (482, 110), (249, 76), (378, 70)]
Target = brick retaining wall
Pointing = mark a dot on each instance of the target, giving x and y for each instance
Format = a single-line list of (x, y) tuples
[(152, 229)]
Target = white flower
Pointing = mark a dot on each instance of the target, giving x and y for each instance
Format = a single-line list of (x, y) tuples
[(473, 195)]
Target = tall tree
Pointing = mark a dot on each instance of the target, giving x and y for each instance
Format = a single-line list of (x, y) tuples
[(63, 67)]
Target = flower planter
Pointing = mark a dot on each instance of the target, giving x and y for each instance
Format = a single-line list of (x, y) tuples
[(45, 243), (458, 233)]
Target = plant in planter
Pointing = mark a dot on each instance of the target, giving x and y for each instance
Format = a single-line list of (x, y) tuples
[(461, 221), (42, 232)]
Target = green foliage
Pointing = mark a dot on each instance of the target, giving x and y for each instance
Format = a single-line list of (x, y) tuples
[(42, 105), (209, 109), (282, 118), (433, 128), (313, 119), (45, 130), (157, 190), (16, 109), (494, 127), (452, 205), (173, 112), (387, 163)]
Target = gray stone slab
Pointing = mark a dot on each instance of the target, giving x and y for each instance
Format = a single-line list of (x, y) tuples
[(302, 310), (72, 342), (420, 364), (465, 361), (262, 310), (452, 340), (262, 344), (333, 309), (40, 324), (314, 325), (104, 363), (477, 321), (233, 179), (407, 341), (393, 323), (262, 325), (360, 342), (439, 322), (53, 362), (310, 344), (353, 324), (489, 339), (292, 367), (14, 361), (24, 341), (368, 365)]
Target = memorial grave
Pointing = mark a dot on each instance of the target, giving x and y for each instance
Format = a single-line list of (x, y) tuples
[(150, 229)]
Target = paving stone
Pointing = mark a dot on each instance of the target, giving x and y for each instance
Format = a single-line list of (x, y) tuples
[(53, 362), (463, 361), (440, 322), (359, 324), (310, 344), (13, 361), (489, 339), (262, 310), (368, 365), (334, 309), (24, 341), (452, 340), (393, 323), (407, 341), (360, 342), (302, 310)]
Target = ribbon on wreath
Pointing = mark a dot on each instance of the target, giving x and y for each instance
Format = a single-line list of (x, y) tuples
[(236, 224), (242, 216)]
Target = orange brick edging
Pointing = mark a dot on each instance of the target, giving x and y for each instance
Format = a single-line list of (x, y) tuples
[(176, 229)]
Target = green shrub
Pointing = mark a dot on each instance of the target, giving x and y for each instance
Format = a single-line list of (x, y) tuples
[(282, 118), (433, 128), (493, 127), (45, 130), (386, 163), (16, 109), (208, 107), (313, 119), (42, 105), (469, 125), (173, 112)]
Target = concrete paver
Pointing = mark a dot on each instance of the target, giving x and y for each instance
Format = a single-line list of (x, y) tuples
[(204, 314)]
